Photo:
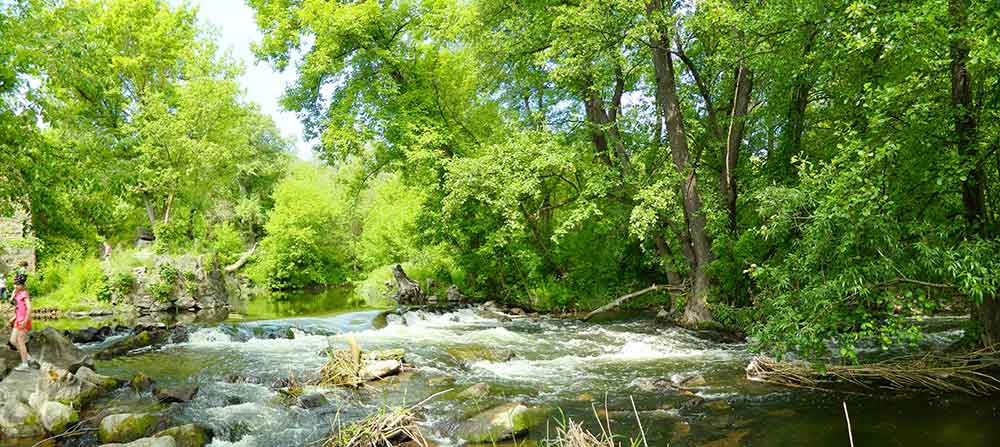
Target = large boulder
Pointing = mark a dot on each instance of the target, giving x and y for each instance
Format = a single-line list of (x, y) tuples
[(56, 385), (189, 283), (190, 435), (500, 423), (161, 441), (55, 417), (126, 427), (19, 420), (48, 346)]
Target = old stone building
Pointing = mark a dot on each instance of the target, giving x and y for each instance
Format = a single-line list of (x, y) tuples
[(16, 242)]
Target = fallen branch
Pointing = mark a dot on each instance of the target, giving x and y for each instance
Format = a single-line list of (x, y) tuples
[(242, 261), (622, 299), (934, 373)]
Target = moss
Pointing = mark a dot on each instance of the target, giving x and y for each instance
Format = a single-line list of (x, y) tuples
[(190, 435), (126, 427)]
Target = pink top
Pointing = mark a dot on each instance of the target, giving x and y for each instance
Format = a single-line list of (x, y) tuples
[(20, 308)]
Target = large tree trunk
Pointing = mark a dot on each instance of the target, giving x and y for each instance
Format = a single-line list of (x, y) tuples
[(974, 186), (696, 311)]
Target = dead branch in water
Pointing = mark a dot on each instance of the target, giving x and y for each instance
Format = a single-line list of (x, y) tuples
[(936, 373), (622, 299), (386, 428)]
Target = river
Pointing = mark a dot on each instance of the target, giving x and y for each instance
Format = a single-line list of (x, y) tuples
[(568, 366)]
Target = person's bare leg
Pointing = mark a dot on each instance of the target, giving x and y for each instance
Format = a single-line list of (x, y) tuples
[(21, 346)]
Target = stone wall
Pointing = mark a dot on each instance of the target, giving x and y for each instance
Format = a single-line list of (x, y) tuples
[(15, 242)]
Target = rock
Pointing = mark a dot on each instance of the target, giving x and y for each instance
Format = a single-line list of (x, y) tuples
[(516, 311), (181, 393), (126, 427), (141, 383), (48, 346), (312, 400), (52, 384), (719, 405), (453, 295), (142, 339), (663, 314), (18, 420), (473, 353), (692, 404), (190, 435), (103, 383), (475, 392), (387, 354), (55, 417), (440, 381), (379, 369), (162, 441), (499, 423), (691, 381)]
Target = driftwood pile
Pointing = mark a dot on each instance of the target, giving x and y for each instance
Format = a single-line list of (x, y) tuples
[(974, 373)]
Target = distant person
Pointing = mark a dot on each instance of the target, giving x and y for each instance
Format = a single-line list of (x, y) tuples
[(20, 323), (3, 287), (105, 250)]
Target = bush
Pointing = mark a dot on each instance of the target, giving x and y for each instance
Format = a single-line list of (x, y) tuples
[(70, 284), (431, 263), (307, 240), (226, 242)]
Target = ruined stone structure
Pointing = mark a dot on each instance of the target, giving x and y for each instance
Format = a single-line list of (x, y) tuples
[(16, 242)]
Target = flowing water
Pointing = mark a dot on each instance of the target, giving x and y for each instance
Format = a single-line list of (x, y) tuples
[(571, 367)]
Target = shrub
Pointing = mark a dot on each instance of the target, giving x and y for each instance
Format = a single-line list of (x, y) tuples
[(307, 240)]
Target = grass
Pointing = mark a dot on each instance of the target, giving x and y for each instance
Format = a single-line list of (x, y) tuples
[(387, 427)]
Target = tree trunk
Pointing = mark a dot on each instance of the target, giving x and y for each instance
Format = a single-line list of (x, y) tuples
[(974, 186), (407, 290), (150, 212), (737, 124), (791, 133), (696, 311)]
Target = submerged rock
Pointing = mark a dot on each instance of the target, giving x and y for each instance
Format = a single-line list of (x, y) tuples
[(690, 381), (141, 383), (180, 393), (500, 423), (475, 392), (190, 435), (473, 353), (127, 427), (162, 441), (312, 400)]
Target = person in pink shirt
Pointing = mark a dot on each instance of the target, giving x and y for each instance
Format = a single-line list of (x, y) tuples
[(20, 323)]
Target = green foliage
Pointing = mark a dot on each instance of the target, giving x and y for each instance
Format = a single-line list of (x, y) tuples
[(227, 242), (70, 284), (303, 246)]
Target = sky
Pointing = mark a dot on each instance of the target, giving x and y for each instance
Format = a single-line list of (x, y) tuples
[(236, 30)]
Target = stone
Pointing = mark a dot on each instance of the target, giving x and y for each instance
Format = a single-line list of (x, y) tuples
[(692, 404), (475, 392), (190, 435), (719, 405), (312, 400), (437, 381), (500, 423), (516, 311), (103, 383), (161, 441), (49, 346), (126, 427), (387, 354), (141, 383), (180, 393), (474, 353), (379, 369), (453, 295), (691, 381), (142, 339), (18, 420), (55, 417)]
